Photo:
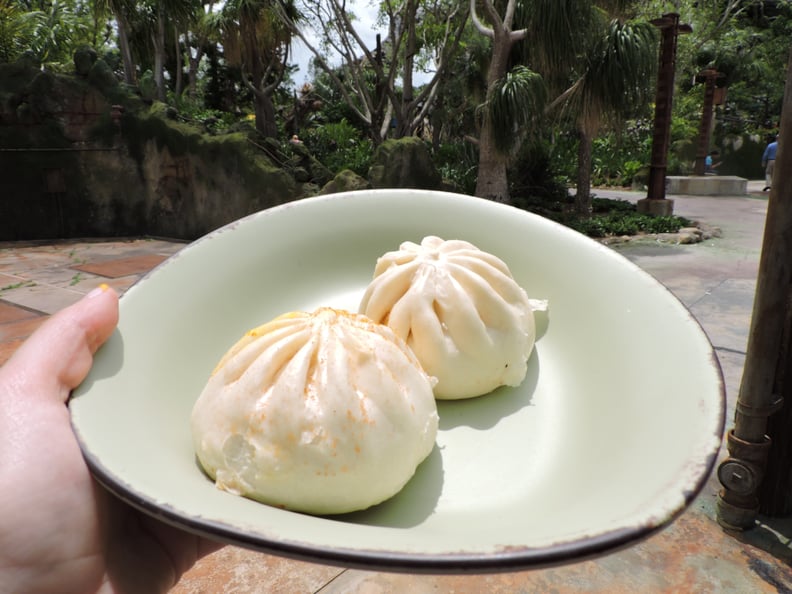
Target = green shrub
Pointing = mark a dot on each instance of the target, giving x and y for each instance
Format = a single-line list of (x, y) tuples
[(627, 222), (611, 205), (194, 112), (340, 146), (458, 164)]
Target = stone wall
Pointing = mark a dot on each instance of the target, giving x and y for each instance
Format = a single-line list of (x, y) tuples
[(73, 165), (81, 157)]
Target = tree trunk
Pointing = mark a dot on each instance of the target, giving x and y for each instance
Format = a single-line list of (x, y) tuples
[(404, 112), (130, 76), (158, 40), (192, 75), (265, 115), (583, 193), (178, 85), (492, 182)]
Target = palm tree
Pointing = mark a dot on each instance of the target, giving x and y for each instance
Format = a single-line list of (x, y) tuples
[(511, 112), (121, 10), (492, 180), (553, 37), (167, 14), (615, 81), (203, 28), (544, 34)]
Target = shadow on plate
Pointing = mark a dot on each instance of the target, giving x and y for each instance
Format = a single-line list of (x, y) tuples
[(410, 506), (485, 411)]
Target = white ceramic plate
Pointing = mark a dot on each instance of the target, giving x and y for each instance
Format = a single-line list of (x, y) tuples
[(611, 435)]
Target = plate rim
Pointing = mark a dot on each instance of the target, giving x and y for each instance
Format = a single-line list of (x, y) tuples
[(510, 559)]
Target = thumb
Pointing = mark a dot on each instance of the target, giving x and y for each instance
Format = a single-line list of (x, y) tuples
[(58, 356)]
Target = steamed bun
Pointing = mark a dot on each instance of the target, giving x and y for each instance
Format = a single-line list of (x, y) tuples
[(459, 309), (323, 412)]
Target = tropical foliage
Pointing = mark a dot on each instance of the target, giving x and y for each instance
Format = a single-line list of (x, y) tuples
[(516, 98)]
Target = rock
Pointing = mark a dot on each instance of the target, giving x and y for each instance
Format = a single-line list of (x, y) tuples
[(688, 230), (403, 163), (688, 237), (101, 76), (84, 59), (301, 175), (616, 239), (315, 171), (346, 181)]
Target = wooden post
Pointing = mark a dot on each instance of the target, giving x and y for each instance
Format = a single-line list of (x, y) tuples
[(708, 77), (775, 495), (655, 202), (746, 473), (664, 97)]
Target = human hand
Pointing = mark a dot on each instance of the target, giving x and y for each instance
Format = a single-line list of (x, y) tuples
[(59, 530)]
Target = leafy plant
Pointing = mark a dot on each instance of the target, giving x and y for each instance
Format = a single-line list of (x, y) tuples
[(626, 222), (340, 146), (458, 163)]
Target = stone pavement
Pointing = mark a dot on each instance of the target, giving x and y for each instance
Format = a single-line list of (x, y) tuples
[(716, 280)]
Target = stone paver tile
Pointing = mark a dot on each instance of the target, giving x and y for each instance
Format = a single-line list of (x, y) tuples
[(20, 329), (240, 571), (10, 280), (13, 313), (46, 299), (27, 262), (7, 349), (62, 277), (122, 266)]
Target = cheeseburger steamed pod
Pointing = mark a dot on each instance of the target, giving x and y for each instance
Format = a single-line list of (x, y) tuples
[(323, 412), (459, 309)]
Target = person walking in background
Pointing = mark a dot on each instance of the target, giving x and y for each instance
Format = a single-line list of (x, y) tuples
[(768, 162), (709, 164)]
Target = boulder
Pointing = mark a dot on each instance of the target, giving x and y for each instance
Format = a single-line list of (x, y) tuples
[(315, 171), (84, 59), (404, 163), (101, 76), (345, 181)]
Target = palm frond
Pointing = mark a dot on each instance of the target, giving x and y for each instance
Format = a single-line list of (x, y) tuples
[(554, 32), (514, 104), (622, 65), (618, 78)]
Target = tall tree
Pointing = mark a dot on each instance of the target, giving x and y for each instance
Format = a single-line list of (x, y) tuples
[(168, 15), (123, 11), (369, 72), (256, 38), (427, 36), (553, 38), (203, 27), (615, 81), (492, 179)]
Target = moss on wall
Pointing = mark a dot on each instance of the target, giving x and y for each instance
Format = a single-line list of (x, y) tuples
[(71, 169)]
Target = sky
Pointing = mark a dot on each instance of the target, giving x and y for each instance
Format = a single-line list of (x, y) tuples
[(366, 13)]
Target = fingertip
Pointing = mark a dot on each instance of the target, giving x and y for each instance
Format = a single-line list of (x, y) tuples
[(101, 308), (62, 348)]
